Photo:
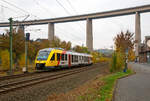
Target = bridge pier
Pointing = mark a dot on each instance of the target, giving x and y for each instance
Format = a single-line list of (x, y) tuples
[(50, 31), (89, 34), (137, 33)]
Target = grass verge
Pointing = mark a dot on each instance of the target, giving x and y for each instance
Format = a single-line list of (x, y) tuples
[(105, 92)]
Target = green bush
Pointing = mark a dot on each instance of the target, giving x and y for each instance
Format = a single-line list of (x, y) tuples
[(117, 62)]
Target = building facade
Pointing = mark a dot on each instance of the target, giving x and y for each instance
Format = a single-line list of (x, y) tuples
[(144, 51)]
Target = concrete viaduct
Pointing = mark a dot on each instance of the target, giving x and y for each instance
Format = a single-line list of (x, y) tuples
[(88, 17)]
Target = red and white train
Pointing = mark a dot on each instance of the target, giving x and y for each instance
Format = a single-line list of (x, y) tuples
[(58, 58)]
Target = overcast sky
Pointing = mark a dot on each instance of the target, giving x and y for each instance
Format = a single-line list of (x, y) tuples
[(104, 30)]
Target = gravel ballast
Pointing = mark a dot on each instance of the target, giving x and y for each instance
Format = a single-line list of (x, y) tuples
[(40, 92)]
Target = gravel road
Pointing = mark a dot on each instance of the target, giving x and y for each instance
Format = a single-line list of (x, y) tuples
[(135, 87), (40, 92)]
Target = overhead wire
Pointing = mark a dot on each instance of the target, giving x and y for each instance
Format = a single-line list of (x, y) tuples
[(14, 17), (69, 32), (55, 16), (2, 13), (70, 37), (15, 6), (43, 7), (73, 8), (18, 8), (81, 27), (9, 8), (28, 12), (63, 7), (67, 12)]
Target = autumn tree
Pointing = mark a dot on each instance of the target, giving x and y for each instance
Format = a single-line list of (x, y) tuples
[(125, 41), (80, 49), (63, 44), (55, 43), (68, 46), (18, 43)]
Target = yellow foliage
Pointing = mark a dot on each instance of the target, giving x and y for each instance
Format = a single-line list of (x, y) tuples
[(120, 60), (21, 61), (97, 57), (104, 59), (5, 60), (117, 61), (131, 56)]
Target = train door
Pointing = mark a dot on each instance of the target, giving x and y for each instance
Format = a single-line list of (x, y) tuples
[(53, 61), (69, 60)]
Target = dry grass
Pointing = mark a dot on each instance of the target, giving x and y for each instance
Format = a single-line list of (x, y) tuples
[(85, 92), (17, 71), (74, 95), (99, 89)]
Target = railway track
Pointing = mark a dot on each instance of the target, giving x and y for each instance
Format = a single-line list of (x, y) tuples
[(16, 76), (26, 74), (24, 83)]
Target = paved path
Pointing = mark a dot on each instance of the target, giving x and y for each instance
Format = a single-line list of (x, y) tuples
[(135, 87)]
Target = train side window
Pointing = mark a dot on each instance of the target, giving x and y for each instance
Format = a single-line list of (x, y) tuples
[(72, 58), (65, 56), (58, 56), (80, 58), (53, 57), (62, 57), (77, 58)]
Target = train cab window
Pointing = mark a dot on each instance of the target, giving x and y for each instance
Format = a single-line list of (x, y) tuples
[(58, 56), (63, 57), (53, 57)]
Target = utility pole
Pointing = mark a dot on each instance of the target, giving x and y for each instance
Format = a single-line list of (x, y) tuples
[(10, 45), (26, 51), (126, 60)]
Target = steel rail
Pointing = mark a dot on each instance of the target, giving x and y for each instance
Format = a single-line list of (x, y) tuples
[(16, 85)]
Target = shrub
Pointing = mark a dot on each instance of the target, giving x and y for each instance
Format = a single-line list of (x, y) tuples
[(104, 59), (117, 62), (120, 61), (21, 61)]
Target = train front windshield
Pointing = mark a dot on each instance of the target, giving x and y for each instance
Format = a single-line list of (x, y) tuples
[(43, 55)]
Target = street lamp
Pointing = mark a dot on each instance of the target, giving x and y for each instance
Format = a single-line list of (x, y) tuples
[(27, 38), (126, 60)]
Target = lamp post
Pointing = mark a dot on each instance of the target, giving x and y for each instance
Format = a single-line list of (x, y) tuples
[(26, 51), (126, 60), (10, 45)]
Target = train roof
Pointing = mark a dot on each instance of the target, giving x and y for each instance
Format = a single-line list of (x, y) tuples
[(50, 49), (76, 53), (68, 52)]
